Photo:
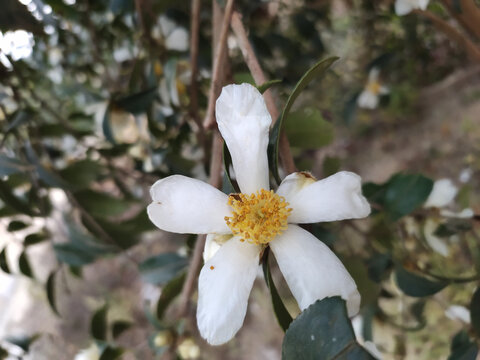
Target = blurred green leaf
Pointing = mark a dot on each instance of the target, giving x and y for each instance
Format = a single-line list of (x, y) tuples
[(331, 165), (111, 353), (22, 342), (16, 225), (137, 103), (118, 327), (283, 316), (3, 261), (229, 186), (323, 234), (267, 85), (7, 196), (24, 265), (171, 290), (323, 331), (47, 176), (99, 204), (81, 173), (34, 238), (107, 128), (50, 287), (307, 129), (3, 354), (462, 347), (475, 311), (162, 268), (415, 285), (121, 6), (98, 324), (379, 266), (452, 227), (10, 166)]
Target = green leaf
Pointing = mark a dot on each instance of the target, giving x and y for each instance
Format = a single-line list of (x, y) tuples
[(379, 266), (415, 285), (475, 311), (307, 129), (111, 353), (98, 324), (99, 204), (452, 227), (7, 196), (283, 316), (24, 265), (3, 354), (462, 347), (3, 261), (229, 186), (119, 327), (50, 287), (322, 331), (160, 269), (34, 238), (331, 165), (16, 225), (22, 342), (137, 103), (81, 173), (169, 292), (10, 166), (107, 128), (267, 85), (316, 70), (47, 176)]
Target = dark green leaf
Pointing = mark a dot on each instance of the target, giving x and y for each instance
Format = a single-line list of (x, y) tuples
[(3, 354), (7, 196), (16, 225), (323, 234), (99, 204), (331, 165), (160, 269), (379, 266), (35, 238), (315, 71), (10, 166), (462, 347), (111, 353), (475, 311), (283, 316), (22, 342), (81, 173), (307, 129), (137, 103), (229, 186), (19, 118), (107, 127), (50, 287), (120, 6), (322, 331), (452, 227), (415, 285), (47, 176), (24, 265), (169, 292), (3, 261), (265, 86), (119, 327), (98, 325)]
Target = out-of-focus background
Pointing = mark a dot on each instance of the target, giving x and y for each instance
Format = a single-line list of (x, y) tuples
[(98, 101)]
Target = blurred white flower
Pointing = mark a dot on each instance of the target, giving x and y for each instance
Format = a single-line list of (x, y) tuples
[(18, 44), (465, 175), (369, 97), (443, 192), (91, 353), (174, 35), (458, 312), (257, 218), (437, 243), (188, 349), (403, 7)]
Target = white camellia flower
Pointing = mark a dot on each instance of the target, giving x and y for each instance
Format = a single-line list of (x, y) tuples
[(244, 224), (369, 97), (91, 353), (443, 192), (174, 35), (403, 7)]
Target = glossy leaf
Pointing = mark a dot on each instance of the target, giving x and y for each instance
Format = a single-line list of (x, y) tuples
[(475, 311), (267, 85), (462, 348), (323, 331), (283, 316), (160, 269), (50, 287), (98, 324), (415, 285), (307, 129), (169, 292)]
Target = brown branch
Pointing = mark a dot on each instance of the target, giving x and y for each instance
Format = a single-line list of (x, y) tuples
[(468, 16), (260, 78), (471, 48), (196, 261), (217, 67)]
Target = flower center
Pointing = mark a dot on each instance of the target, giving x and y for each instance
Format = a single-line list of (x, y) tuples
[(374, 87), (258, 217)]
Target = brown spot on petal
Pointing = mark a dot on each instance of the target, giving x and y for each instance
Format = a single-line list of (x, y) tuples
[(307, 175), (212, 267)]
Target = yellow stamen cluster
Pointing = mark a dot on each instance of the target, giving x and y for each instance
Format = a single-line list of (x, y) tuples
[(374, 87), (258, 217)]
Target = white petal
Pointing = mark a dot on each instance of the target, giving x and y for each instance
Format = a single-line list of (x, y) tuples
[(312, 270), (224, 286), (91, 353), (337, 197), (373, 350), (244, 122), (367, 100), (423, 4), (213, 243), (177, 40), (466, 213), (184, 205), (436, 243), (443, 192), (403, 7), (295, 182), (458, 312), (166, 25), (373, 74)]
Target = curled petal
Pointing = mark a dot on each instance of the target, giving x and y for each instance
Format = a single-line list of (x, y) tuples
[(184, 205), (244, 122), (403, 7), (312, 270), (337, 197), (442, 194), (224, 286)]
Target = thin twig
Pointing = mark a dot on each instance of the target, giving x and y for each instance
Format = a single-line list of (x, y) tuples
[(196, 261), (217, 67), (471, 48), (260, 78)]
